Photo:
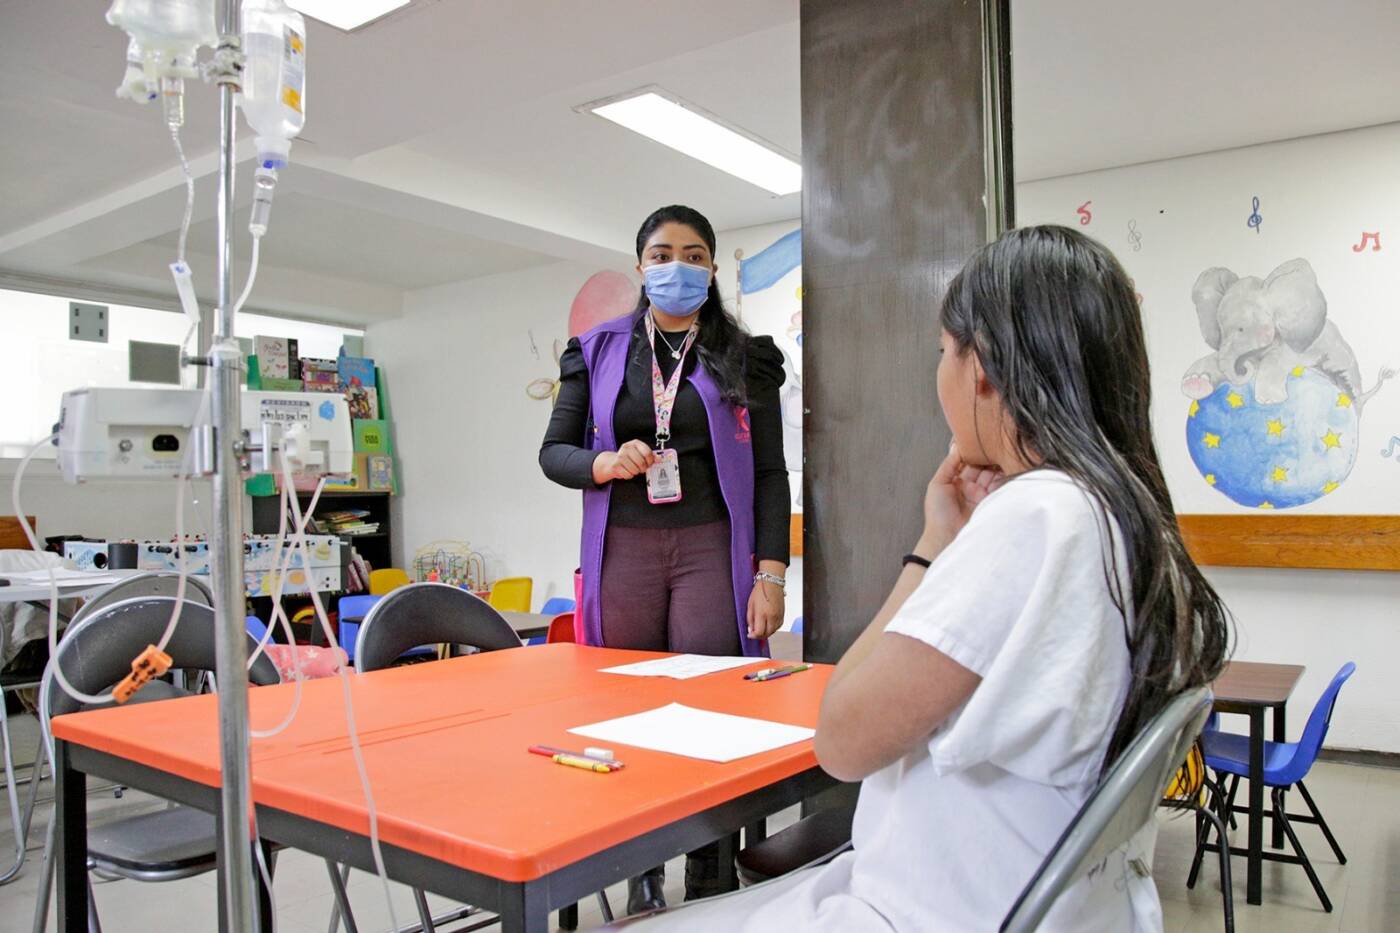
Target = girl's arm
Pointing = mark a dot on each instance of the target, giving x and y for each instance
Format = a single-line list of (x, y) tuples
[(889, 693)]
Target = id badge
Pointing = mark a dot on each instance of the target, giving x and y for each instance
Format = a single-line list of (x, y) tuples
[(664, 478)]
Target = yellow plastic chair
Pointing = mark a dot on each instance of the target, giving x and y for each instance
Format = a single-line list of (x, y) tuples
[(512, 594), (387, 580)]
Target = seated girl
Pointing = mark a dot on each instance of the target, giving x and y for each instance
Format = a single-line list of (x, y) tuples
[(1048, 611)]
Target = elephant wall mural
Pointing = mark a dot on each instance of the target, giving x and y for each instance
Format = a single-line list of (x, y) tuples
[(1275, 407)]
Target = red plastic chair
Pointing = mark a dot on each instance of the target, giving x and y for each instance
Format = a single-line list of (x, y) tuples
[(561, 629)]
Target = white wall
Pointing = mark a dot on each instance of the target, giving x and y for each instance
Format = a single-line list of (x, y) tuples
[(770, 312), (103, 510), (1317, 195), (467, 437)]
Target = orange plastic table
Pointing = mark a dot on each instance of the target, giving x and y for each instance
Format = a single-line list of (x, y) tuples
[(464, 810)]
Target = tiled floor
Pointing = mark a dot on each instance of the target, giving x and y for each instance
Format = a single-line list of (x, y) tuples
[(1361, 804)]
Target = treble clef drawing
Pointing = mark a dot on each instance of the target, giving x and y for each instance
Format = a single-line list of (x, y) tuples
[(1134, 237), (1255, 219)]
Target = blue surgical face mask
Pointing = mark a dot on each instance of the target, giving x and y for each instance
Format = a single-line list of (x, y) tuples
[(677, 288)]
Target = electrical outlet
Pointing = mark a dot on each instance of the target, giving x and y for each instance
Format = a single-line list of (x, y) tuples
[(88, 322)]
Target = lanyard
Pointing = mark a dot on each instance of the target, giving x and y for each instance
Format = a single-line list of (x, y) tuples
[(663, 394)]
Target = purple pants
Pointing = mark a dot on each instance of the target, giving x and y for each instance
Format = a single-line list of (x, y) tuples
[(669, 589)]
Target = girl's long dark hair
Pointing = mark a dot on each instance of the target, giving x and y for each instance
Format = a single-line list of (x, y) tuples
[(721, 344), (1056, 325)]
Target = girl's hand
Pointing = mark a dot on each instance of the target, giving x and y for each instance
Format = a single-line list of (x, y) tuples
[(765, 610), (631, 459), (953, 493)]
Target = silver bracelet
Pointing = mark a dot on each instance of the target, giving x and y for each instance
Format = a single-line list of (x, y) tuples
[(764, 576)]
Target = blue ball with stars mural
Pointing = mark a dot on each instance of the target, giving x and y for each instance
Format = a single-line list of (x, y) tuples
[(1274, 456)]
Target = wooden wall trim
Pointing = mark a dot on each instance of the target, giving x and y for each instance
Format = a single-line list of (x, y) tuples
[(12, 535), (795, 535), (1321, 542)]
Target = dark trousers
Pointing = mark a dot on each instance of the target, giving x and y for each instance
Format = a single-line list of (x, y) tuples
[(669, 589)]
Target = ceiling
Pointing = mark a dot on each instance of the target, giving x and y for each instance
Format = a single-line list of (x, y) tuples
[(442, 143)]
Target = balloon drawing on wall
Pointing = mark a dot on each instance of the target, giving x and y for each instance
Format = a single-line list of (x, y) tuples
[(1275, 408), (606, 295)]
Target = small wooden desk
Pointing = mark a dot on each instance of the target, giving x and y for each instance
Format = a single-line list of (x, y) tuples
[(464, 810), (1252, 688)]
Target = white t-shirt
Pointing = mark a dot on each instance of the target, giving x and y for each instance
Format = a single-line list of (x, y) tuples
[(946, 838)]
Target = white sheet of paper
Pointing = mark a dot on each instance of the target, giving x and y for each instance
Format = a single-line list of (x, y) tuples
[(696, 733), (64, 576), (680, 666)]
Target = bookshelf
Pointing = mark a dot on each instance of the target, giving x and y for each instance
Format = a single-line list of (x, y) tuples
[(377, 548)]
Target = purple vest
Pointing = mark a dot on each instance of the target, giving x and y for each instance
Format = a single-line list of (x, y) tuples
[(605, 355)]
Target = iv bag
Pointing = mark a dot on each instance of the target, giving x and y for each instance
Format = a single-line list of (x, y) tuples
[(171, 26)]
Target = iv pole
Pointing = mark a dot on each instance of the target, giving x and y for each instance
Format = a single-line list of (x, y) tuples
[(237, 881)]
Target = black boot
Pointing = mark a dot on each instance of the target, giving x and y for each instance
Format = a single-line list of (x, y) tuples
[(702, 874), (647, 891)]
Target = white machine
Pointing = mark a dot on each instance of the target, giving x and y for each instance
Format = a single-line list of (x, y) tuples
[(121, 433)]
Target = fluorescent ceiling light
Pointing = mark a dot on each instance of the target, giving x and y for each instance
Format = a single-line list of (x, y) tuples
[(347, 14), (700, 136)]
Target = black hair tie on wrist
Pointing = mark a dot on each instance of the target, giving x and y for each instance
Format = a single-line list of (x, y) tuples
[(916, 559)]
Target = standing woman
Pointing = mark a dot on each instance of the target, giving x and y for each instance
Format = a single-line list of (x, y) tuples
[(668, 420)]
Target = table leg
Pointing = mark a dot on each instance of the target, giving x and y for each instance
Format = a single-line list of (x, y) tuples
[(267, 920), (525, 912), (1254, 876), (728, 874), (70, 838), (568, 917), (755, 832), (1279, 736)]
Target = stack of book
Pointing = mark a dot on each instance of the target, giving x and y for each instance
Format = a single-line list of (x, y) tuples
[(348, 522)]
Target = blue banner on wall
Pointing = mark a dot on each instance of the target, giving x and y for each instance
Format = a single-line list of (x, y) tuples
[(764, 269)]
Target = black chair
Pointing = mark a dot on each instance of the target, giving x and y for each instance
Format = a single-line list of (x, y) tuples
[(95, 654), (146, 584), (430, 614), (813, 840)]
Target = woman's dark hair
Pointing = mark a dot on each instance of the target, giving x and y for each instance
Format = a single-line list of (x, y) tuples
[(721, 344), (1056, 326)]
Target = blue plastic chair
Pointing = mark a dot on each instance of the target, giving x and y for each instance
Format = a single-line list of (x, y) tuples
[(1285, 766), (349, 611), (797, 625)]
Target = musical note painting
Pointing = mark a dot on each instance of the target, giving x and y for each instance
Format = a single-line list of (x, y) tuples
[(1271, 308)]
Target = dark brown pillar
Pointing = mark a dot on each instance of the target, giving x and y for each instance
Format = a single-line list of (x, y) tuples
[(893, 157)]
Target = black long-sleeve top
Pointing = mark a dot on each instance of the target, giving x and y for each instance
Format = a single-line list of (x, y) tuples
[(566, 460)]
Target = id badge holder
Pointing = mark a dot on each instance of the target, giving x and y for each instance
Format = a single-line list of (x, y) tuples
[(664, 478)]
